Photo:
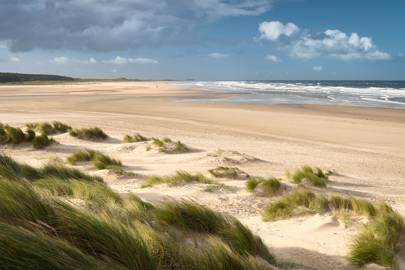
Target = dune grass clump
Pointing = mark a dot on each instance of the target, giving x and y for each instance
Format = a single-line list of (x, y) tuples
[(95, 192), (315, 177), (378, 242), (302, 202), (197, 218), (135, 138), (15, 136), (39, 230), (180, 178), (90, 134), (228, 172), (166, 145), (46, 128), (269, 186), (99, 160), (12, 169), (42, 141)]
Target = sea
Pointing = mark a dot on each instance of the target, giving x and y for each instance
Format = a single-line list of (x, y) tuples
[(390, 94)]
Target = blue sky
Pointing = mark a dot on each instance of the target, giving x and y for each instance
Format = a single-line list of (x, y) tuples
[(205, 39)]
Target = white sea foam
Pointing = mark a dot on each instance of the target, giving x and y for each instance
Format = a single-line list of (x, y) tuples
[(358, 93)]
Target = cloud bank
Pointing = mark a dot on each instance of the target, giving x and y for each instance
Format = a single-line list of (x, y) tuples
[(331, 43), (111, 25)]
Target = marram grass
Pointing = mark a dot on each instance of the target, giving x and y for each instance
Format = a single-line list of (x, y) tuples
[(99, 160), (39, 230), (269, 186), (180, 178), (90, 134), (308, 175)]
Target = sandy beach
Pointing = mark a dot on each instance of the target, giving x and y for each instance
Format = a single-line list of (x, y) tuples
[(364, 147)]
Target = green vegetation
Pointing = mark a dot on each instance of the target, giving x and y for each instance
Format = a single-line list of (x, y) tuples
[(12, 169), (378, 242), (302, 202), (99, 229), (91, 134), (42, 141), (180, 178), (18, 77), (135, 138), (168, 146), (269, 186), (228, 172), (15, 136), (46, 128), (99, 160), (315, 177)]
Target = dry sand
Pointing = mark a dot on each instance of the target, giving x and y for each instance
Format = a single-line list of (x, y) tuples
[(365, 146)]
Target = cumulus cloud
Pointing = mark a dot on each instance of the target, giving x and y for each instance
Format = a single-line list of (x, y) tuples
[(218, 55), (115, 61), (331, 43), (111, 25), (275, 29), (272, 58), (317, 68), (337, 44)]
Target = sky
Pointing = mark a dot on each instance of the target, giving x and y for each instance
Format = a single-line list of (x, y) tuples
[(205, 39)]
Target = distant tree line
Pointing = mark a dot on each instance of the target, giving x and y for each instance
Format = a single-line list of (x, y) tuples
[(18, 77)]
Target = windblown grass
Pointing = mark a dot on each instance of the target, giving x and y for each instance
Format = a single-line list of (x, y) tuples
[(166, 145), (46, 128), (99, 160), (197, 218), (91, 134), (180, 178), (15, 136), (228, 172), (95, 192), (315, 177), (11, 169), (135, 138), (40, 231), (42, 141), (301, 202), (378, 242), (269, 186)]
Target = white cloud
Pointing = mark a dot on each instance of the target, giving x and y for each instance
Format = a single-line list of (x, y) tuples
[(336, 44), (123, 61), (218, 55), (60, 60), (317, 68), (272, 58), (275, 29), (15, 59), (331, 43), (116, 61)]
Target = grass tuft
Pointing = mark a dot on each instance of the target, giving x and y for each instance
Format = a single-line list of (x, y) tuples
[(180, 178), (166, 145), (135, 138), (315, 177), (269, 186), (46, 128), (228, 172), (91, 134), (42, 141), (99, 160)]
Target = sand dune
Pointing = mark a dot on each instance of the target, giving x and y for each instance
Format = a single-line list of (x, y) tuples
[(364, 146)]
